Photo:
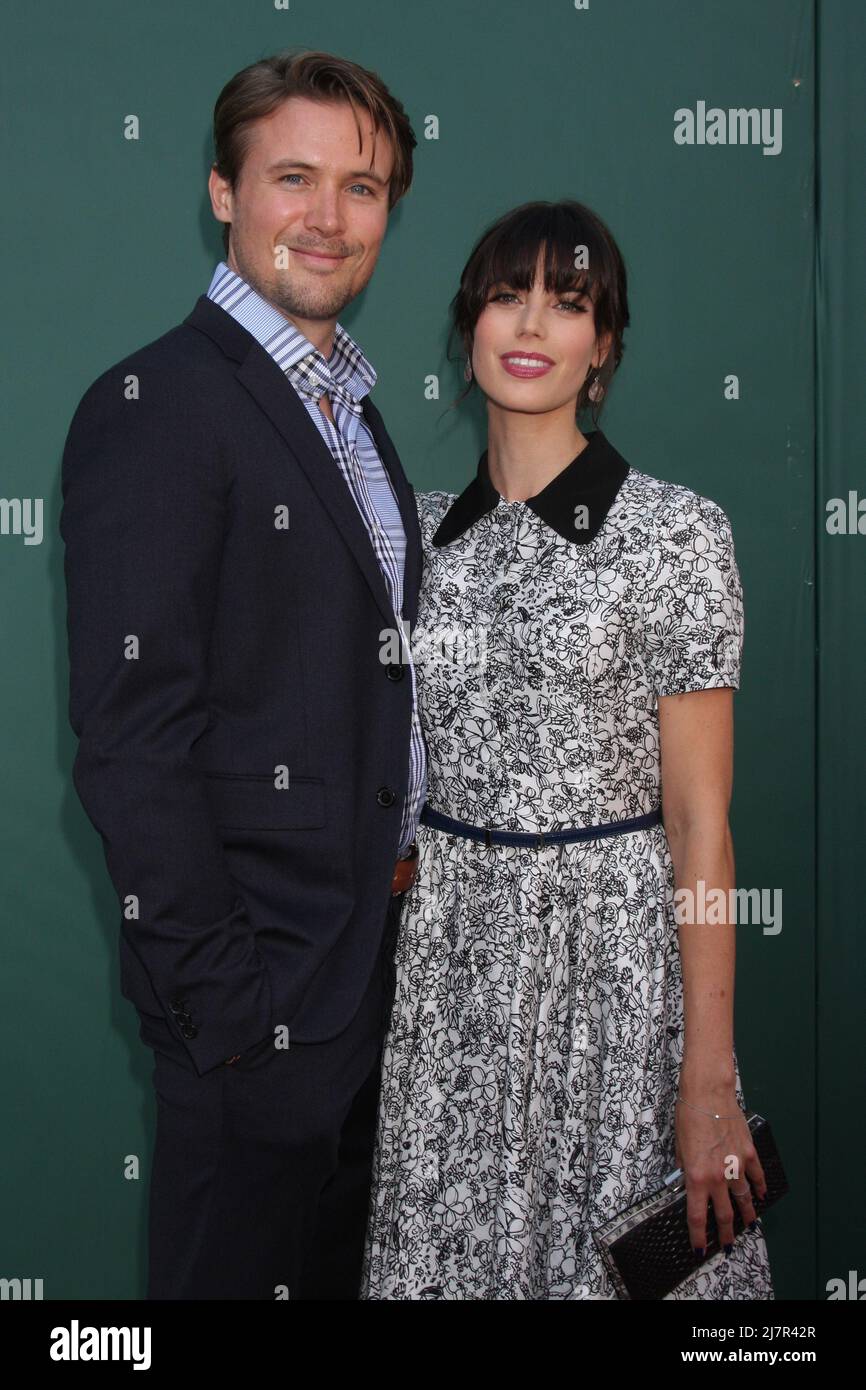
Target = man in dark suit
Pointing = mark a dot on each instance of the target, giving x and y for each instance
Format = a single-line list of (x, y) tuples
[(241, 547)]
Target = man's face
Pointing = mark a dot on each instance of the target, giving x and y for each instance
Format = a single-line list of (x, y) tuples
[(309, 210)]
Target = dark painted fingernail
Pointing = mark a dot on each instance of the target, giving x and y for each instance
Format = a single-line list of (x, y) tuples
[(729, 1248), (699, 1249), (753, 1225)]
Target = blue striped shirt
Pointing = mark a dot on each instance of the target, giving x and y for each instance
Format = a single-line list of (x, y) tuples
[(346, 377)]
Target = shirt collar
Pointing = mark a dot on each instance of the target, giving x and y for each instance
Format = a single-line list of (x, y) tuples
[(592, 480), (347, 367)]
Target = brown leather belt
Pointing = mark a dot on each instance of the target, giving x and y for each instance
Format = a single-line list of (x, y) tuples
[(405, 871)]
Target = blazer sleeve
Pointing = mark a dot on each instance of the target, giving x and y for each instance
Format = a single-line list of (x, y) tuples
[(143, 515)]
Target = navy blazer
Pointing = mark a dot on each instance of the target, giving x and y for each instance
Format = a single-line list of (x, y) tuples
[(216, 653)]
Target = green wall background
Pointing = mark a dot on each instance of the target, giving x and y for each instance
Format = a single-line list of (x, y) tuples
[(108, 243)]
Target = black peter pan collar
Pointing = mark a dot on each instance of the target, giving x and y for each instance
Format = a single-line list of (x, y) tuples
[(592, 479)]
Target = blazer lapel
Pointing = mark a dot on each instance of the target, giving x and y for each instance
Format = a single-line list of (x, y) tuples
[(408, 508), (259, 374)]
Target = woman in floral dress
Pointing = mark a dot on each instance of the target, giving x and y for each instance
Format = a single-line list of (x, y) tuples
[(558, 1042)]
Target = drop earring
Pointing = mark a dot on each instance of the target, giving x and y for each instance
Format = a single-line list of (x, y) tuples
[(596, 390), (467, 370)]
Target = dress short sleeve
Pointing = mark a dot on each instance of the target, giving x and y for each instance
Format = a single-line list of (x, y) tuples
[(694, 602)]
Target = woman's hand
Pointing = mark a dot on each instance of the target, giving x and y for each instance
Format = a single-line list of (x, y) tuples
[(719, 1161)]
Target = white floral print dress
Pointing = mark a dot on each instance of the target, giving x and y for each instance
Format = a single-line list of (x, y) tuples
[(531, 1062)]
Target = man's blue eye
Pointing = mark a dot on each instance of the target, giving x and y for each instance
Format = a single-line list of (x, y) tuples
[(362, 186)]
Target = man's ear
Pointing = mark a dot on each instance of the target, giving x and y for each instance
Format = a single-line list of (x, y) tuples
[(221, 197)]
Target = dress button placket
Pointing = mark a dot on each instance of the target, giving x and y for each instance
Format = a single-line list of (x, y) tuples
[(496, 566)]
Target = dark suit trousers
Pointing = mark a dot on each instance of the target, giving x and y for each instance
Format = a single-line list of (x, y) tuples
[(261, 1170)]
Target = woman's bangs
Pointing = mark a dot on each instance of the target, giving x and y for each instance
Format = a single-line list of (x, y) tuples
[(513, 258)]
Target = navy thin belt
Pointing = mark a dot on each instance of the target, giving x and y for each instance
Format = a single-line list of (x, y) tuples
[(437, 821)]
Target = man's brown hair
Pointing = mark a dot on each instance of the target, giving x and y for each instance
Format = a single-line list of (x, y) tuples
[(259, 89)]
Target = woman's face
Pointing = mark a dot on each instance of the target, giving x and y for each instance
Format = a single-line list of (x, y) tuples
[(532, 350)]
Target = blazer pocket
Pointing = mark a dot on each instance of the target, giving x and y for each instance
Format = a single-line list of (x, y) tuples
[(254, 803)]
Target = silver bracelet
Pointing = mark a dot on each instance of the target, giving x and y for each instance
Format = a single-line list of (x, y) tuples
[(712, 1113)]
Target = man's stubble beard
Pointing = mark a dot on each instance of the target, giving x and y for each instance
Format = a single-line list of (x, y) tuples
[(307, 303), (296, 301)]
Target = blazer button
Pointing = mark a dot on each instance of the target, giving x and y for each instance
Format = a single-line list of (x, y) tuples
[(189, 1030), (177, 1005), (385, 796), (395, 672)]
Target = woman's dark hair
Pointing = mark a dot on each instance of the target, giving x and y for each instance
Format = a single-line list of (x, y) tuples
[(259, 89), (508, 251)]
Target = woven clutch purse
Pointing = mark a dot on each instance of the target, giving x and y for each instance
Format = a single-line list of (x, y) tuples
[(647, 1249)]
